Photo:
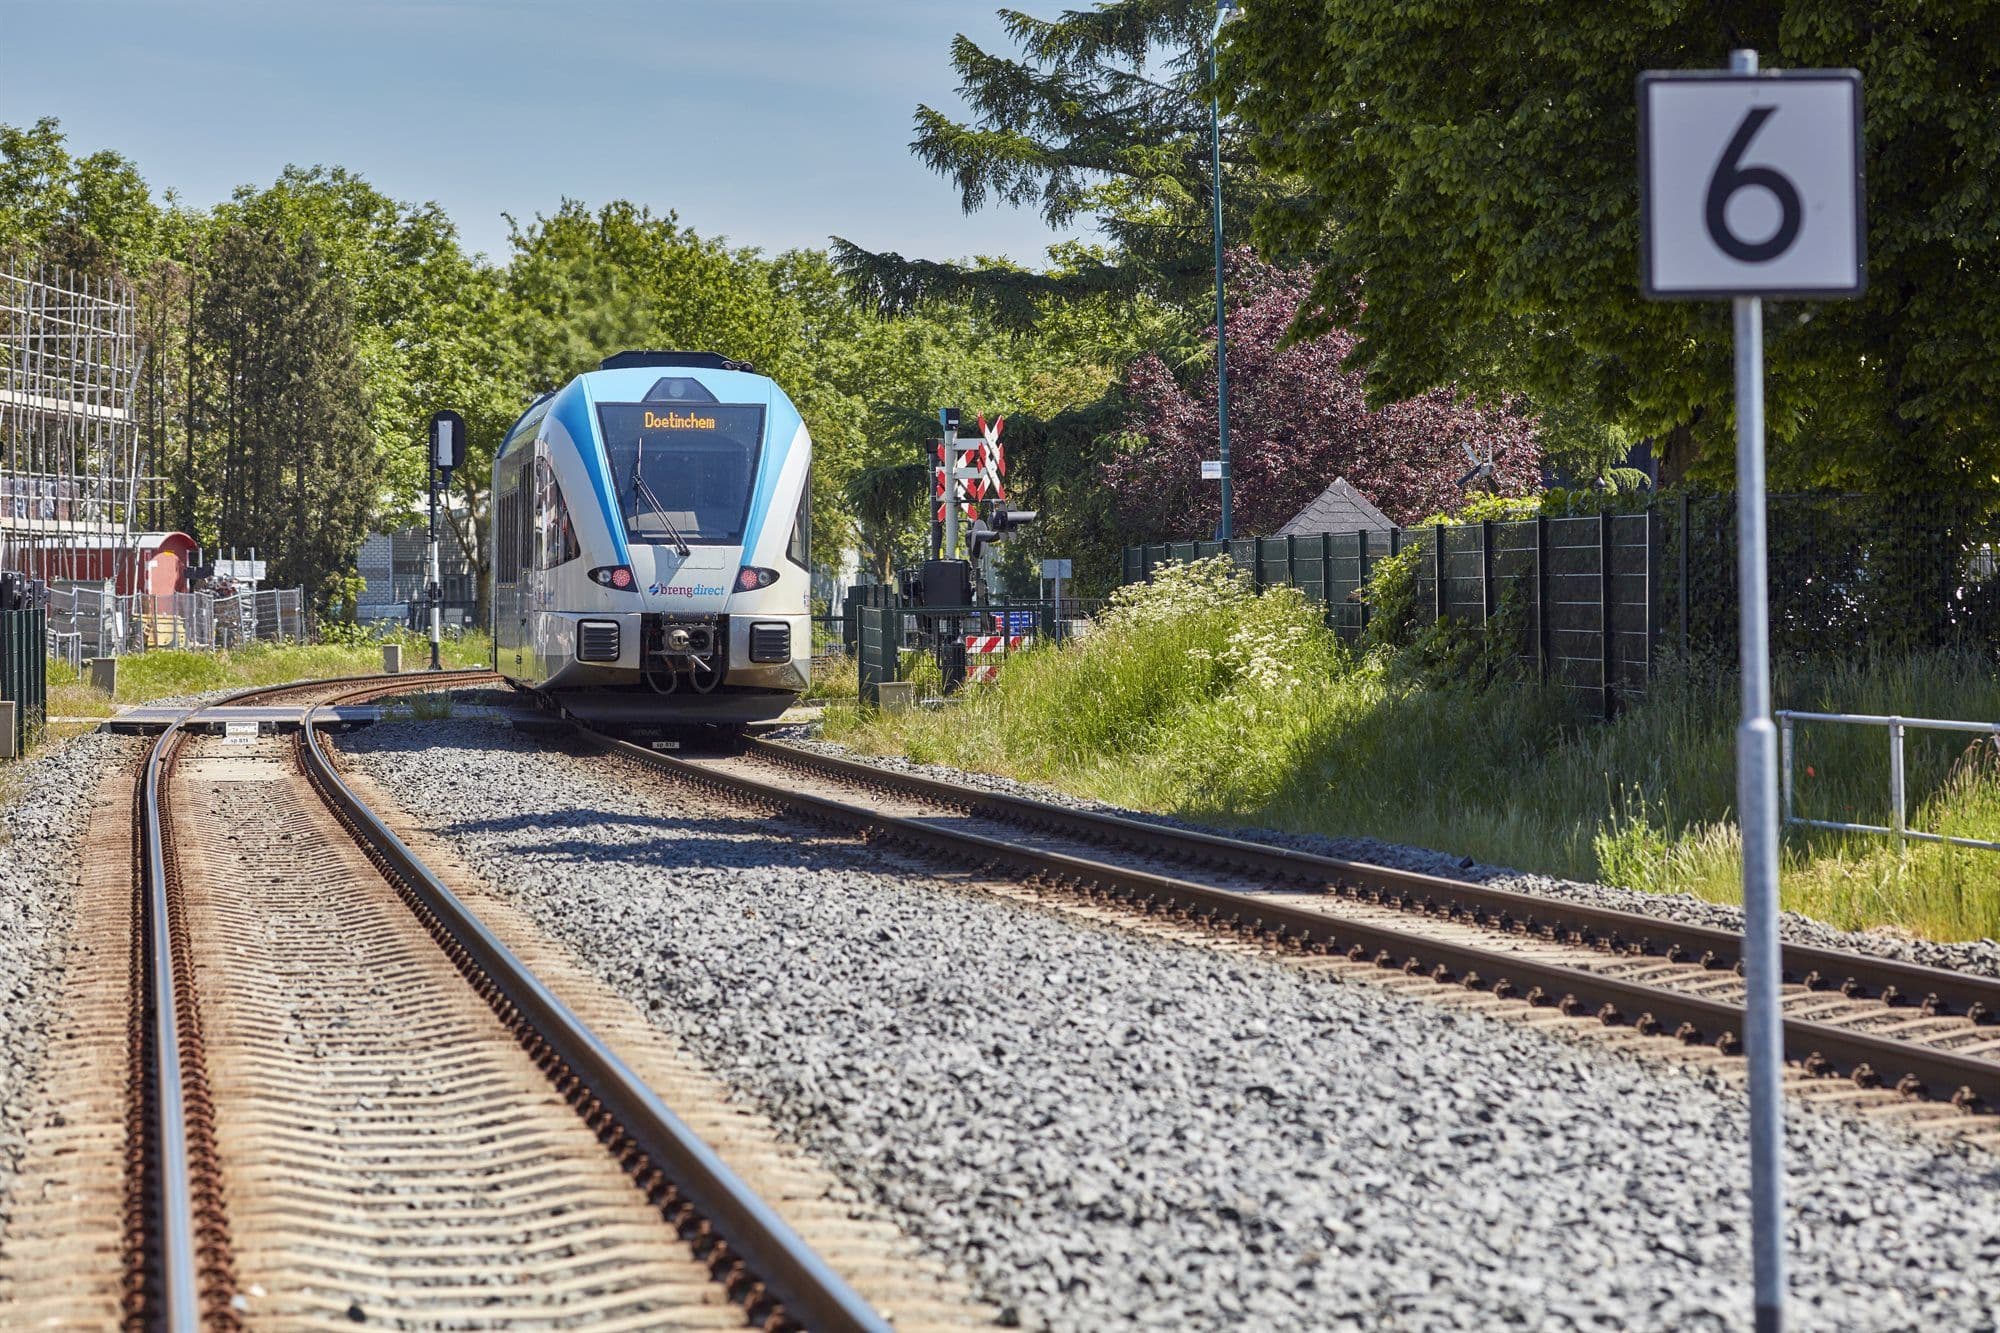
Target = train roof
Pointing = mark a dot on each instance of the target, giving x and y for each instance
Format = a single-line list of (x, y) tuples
[(701, 360)]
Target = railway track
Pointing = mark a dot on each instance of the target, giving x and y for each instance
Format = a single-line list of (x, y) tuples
[(351, 1102), (1880, 1024)]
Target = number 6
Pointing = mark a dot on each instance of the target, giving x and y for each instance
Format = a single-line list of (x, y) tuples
[(1729, 177)]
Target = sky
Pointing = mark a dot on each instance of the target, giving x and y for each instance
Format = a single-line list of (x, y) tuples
[(775, 123)]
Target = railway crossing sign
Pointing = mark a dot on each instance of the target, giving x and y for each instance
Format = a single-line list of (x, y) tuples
[(1750, 186)]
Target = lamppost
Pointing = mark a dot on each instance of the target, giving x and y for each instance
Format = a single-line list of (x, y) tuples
[(1224, 11)]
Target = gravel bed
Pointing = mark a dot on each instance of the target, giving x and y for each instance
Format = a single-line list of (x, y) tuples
[(42, 829), (1100, 1129), (1975, 956)]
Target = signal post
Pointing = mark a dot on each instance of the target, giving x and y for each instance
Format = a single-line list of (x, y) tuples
[(447, 451)]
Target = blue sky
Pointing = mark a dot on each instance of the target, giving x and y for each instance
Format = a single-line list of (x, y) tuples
[(774, 122)]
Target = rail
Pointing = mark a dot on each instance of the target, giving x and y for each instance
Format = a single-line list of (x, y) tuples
[(179, 1281), (1898, 727), (807, 1288), (1821, 1045), (177, 1274)]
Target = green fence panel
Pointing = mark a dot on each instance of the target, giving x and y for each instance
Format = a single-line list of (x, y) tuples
[(24, 648)]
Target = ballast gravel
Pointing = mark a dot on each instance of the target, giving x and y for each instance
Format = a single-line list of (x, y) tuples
[(1976, 956), (42, 827), (1107, 1130)]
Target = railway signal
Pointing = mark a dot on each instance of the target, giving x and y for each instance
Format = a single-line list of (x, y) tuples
[(1750, 185), (447, 451)]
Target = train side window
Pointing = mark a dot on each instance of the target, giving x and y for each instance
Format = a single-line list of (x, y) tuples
[(524, 516), (507, 556), (558, 543), (799, 549)]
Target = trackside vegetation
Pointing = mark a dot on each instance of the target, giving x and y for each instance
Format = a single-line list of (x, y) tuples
[(1196, 697), (169, 673)]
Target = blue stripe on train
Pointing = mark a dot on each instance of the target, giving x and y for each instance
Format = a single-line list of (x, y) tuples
[(781, 432), (573, 409)]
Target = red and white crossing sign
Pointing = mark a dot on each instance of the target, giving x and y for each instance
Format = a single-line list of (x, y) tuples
[(977, 471)]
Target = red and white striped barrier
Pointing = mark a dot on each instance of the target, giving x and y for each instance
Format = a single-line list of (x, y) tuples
[(991, 643)]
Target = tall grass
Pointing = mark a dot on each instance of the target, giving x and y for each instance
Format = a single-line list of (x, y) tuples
[(1197, 698)]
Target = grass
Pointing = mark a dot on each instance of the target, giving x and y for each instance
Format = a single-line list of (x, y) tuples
[(834, 679), (1197, 700), (168, 673)]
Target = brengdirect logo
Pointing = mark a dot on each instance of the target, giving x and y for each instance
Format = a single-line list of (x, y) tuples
[(685, 589), (677, 421)]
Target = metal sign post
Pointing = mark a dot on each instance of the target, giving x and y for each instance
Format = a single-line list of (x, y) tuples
[(1750, 186), (447, 451), (948, 418)]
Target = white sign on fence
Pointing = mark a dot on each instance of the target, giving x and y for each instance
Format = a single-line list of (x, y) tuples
[(245, 571), (1751, 184)]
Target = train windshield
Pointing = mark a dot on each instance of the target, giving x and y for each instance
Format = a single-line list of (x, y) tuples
[(683, 470)]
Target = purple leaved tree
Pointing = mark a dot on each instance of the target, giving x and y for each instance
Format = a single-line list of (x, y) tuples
[(1297, 420)]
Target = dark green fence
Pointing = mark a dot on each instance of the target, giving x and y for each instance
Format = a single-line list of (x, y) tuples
[(1583, 589), (24, 661), (878, 642), (944, 647), (1602, 595)]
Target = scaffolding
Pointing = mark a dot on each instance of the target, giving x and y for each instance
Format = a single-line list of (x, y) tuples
[(73, 489)]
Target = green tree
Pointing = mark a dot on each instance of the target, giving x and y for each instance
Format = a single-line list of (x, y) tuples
[(422, 310), (285, 422), (1469, 191), (1104, 115), (90, 214)]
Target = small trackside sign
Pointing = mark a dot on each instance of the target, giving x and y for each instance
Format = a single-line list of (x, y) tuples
[(1750, 184), (1211, 469)]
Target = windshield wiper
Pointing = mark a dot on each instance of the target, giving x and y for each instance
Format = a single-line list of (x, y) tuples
[(645, 492)]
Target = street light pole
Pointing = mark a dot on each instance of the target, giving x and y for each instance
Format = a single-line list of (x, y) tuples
[(1226, 529)]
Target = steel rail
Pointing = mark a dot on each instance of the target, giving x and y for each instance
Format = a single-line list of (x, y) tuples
[(178, 1234), (1821, 1048), (1939, 989), (179, 1280), (805, 1285)]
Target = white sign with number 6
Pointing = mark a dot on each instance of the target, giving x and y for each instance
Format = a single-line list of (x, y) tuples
[(1751, 184)]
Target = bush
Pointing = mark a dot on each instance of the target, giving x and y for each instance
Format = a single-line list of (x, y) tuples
[(1196, 697)]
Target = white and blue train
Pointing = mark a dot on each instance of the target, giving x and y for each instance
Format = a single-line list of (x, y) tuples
[(651, 544)]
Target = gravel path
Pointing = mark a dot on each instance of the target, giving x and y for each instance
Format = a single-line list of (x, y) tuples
[(1107, 1130), (42, 827), (1978, 956)]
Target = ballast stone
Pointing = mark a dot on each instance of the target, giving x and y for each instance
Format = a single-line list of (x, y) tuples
[(1271, 1151), (1981, 957)]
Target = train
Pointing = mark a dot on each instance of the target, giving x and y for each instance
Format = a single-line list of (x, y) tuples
[(651, 540)]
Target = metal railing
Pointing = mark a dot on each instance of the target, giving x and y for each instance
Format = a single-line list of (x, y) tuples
[(90, 622), (1898, 826)]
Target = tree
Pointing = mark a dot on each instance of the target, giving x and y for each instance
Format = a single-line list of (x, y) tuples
[(91, 214), (1469, 192), (1298, 419), (285, 422), (1105, 115)]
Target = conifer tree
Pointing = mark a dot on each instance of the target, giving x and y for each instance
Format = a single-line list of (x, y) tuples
[(289, 442), (1104, 115)]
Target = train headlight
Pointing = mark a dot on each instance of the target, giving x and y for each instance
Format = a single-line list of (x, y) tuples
[(750, 578), (613, 576)]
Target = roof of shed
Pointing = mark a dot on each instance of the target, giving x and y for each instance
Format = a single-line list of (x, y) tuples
[(1338, 508)]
